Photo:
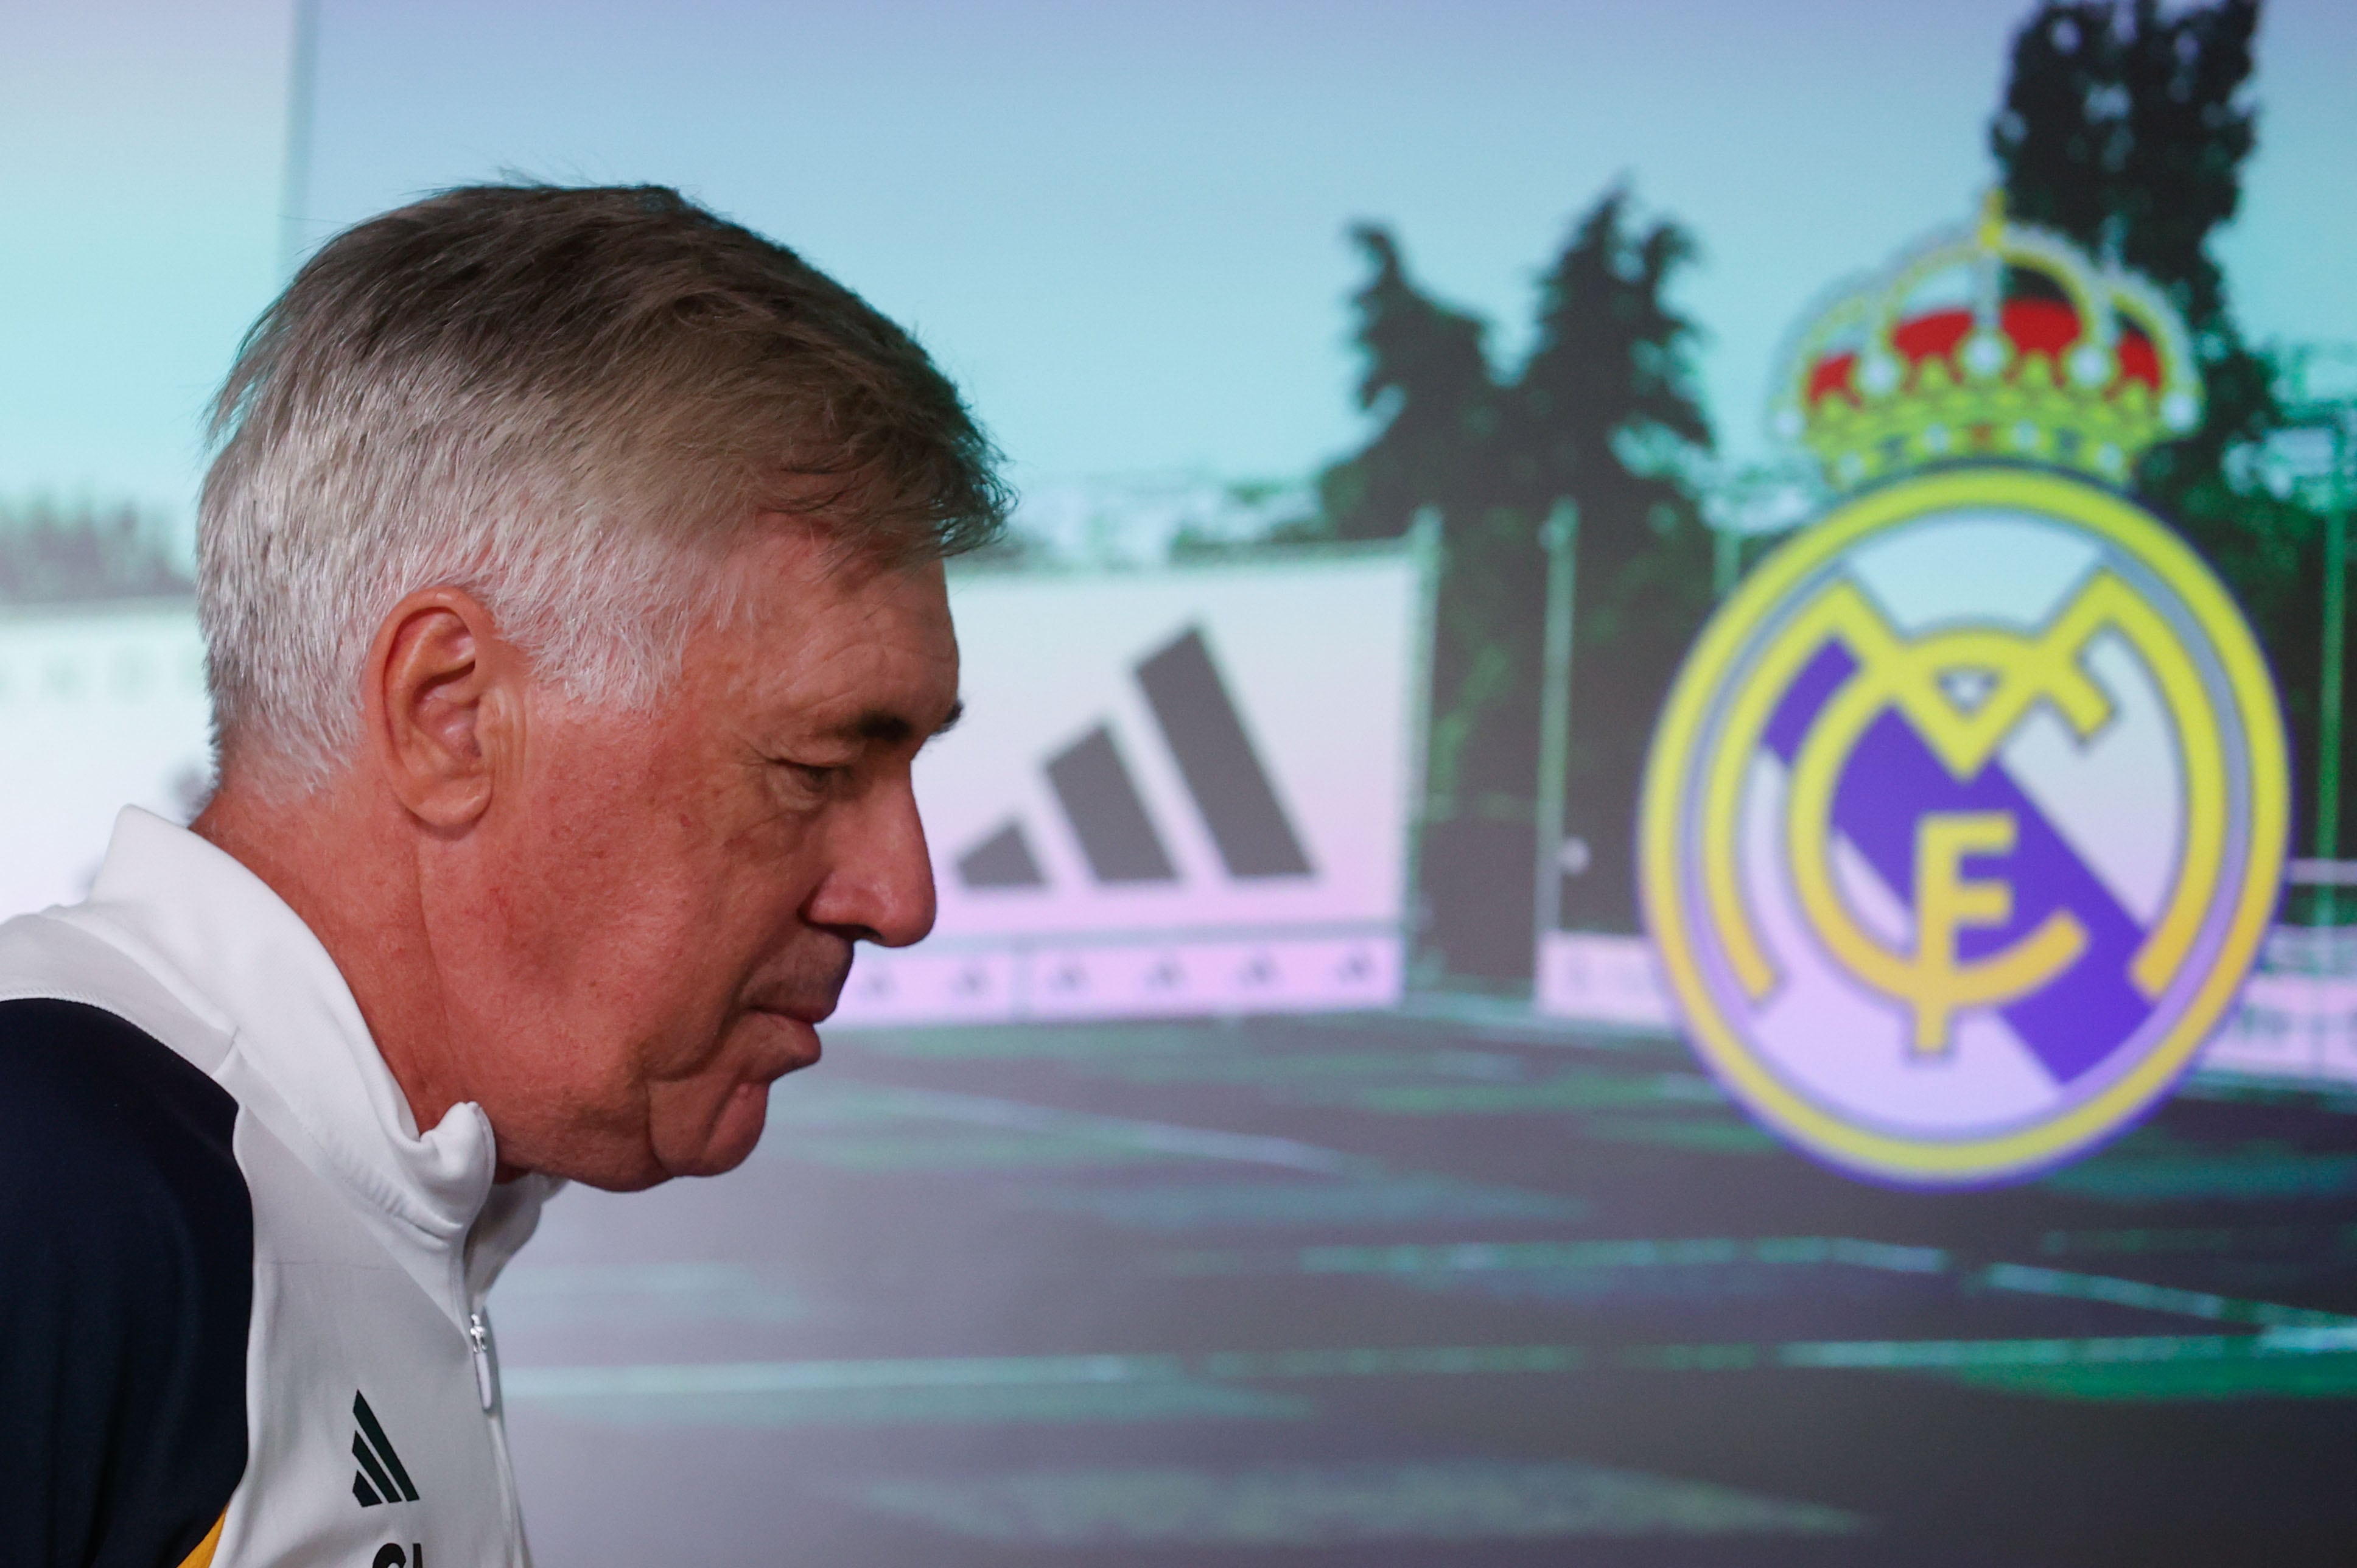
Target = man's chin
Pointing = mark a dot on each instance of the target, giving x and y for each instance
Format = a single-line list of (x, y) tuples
[(730, 1140), (688, 1134)]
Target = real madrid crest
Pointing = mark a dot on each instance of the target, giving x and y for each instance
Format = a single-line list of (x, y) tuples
[(1966, 816)]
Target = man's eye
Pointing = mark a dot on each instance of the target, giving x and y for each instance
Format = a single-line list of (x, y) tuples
[(818, 778)]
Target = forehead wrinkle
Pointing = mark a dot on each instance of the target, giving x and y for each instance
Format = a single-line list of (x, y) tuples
[(859, 667)]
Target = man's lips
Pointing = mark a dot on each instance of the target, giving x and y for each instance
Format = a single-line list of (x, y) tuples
[(800, 1027), (801, 1008)]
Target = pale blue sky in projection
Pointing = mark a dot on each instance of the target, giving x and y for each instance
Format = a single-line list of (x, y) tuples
[(139, 192), (1122, 225)]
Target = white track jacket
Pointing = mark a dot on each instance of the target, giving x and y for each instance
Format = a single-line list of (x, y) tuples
[(242, 1295)]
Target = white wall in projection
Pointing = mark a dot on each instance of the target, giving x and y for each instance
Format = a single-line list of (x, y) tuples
[(104, 706)]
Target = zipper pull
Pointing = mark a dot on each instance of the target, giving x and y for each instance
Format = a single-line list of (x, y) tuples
[(479, 1344)]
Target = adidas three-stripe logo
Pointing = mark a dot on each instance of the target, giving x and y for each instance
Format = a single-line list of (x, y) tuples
[(1222, 771), (379, 1478)]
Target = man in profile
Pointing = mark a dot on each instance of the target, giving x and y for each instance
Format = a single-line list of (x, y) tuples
[(570, 577)]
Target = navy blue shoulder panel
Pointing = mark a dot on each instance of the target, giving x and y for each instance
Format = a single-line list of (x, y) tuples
[(126, 1283)]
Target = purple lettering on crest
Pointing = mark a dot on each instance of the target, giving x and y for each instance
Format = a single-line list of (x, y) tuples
[(1891, 779)]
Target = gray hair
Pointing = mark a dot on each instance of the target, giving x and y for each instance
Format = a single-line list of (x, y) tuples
[(571, 404)]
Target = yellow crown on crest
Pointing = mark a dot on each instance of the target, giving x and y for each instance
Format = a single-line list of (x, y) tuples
[(1999, 340)]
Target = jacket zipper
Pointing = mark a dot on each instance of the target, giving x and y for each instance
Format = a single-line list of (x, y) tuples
[(479, 1344), (487, 1389)]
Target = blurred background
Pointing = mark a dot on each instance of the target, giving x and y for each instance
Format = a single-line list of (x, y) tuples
[(1285, 1152)]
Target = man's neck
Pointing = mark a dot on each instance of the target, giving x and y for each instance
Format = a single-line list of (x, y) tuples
[(348, 875)]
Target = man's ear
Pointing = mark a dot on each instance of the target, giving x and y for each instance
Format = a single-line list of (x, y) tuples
[(443, 705)]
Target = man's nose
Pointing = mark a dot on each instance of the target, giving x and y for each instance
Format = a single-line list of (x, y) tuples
[(881, 881)]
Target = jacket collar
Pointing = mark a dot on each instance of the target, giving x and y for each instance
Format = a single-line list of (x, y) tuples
[(186, 907)]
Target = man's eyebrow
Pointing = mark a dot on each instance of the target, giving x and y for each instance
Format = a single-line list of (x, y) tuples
[(888, 728)]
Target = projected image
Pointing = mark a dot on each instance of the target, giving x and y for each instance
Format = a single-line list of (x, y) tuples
[(1645, 860)]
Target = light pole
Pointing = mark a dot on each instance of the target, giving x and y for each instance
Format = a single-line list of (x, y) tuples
[(1560, 537), (295, 175), (2309, 455), (2328, 694)]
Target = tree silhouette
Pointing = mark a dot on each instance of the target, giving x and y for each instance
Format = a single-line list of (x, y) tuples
[(1428, 378), (1606, 412), (1598, 415), (2126, 130)]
